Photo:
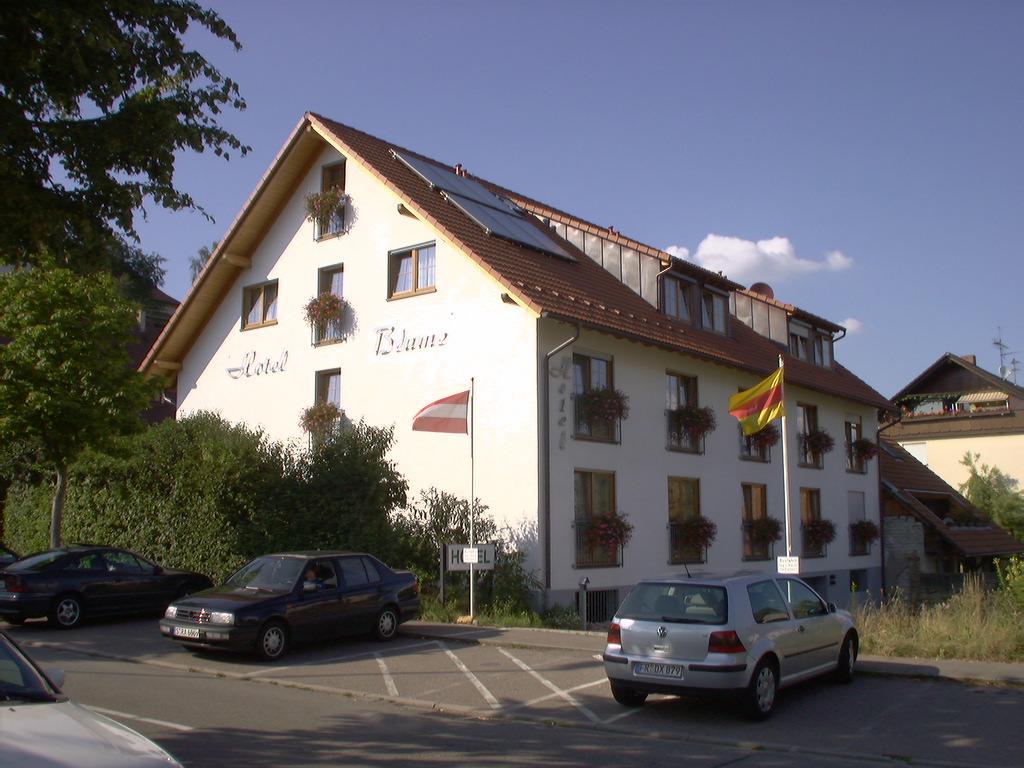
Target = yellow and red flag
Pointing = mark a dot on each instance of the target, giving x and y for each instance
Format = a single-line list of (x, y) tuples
[(760, 404)]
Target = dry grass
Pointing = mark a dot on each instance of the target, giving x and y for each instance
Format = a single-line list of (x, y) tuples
[(974, 624)]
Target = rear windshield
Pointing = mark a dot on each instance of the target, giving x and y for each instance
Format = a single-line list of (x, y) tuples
[(275, 574), (680, 603), (40, 561)]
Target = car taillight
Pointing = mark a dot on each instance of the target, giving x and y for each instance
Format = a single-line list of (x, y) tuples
[(614, 634), (14, 584), (725, 642)]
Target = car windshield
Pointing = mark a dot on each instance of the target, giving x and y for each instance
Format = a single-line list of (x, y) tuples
[(40, 561), (276, 574), (19, 679), (680, 603)]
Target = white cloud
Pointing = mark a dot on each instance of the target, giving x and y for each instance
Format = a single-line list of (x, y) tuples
[(852, 325), (747, 261)]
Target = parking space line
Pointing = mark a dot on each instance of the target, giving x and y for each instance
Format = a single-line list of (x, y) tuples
[(621, 715), (332, 659), (547, 697), (151, 721), (551, 686), (389, 682), (488, 696)]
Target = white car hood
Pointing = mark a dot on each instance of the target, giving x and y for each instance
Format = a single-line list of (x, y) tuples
[(55, 735)]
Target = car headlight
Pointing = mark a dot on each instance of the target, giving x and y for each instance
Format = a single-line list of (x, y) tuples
[(171, 612), (222, 617)]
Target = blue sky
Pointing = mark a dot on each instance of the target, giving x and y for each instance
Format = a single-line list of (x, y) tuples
[(864, 158)]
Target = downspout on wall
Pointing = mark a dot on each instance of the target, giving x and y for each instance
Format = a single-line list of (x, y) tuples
[(545, 373)]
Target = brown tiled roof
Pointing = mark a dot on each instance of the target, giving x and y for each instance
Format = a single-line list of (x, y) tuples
[(582, 291), (903, 476), (950, 359)]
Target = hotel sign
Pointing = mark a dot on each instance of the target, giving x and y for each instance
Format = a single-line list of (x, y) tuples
[(252, 367), (392, 340)]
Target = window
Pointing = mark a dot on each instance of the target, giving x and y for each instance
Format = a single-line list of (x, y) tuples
[(411, 271), (332, 177), (683, 510), (799, 340), (353, 573), (853, 431), (328, 387), (766, 603), (807, 422), (755, 507), (810, 510), (588, 374), (371, 569), (332, 281), (802, 600), (823, 350), (90, 562), (594, 496), (713, 310), (324, 576), (121, 562), (856, 513), (259, 305), (676, 298), (680, 392)]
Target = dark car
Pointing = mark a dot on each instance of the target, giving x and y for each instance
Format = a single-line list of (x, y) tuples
[(70, 583), (294, 597), (6, 557)]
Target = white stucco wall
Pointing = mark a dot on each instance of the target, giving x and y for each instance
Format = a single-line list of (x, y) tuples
[(642, 466), (485, 338), (943, 456)]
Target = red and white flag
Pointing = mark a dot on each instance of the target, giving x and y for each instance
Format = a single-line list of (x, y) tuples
[(449, 414)]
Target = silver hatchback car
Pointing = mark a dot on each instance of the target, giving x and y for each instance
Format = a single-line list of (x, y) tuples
[(745, 634)]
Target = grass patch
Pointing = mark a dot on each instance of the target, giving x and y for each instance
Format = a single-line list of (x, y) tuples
[(500, 615), (974, 624)]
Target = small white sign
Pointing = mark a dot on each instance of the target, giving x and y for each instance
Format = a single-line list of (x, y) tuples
[(471, 555), (789, 565)]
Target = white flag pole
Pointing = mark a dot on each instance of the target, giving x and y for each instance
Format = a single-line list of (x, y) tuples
[(472, 498), (785, 464)]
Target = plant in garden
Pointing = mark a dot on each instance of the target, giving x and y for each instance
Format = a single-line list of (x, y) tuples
[(765, 530), (819, 442), (324, 308), (767, 437), (865, 531), (819, 533), (994, 493), (693, 421), (864, 449), (604, 404), (320, 419), (699, 532), (609, 531), (321, 206)]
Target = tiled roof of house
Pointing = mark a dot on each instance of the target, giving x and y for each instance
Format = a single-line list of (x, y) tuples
[(992, 380), (903, 476), (581, 291)]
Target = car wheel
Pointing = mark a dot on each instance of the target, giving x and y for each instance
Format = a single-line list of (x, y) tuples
[(272, 641), (764, 685), (847, 659), (66, 612), (628, 697), (387, 624)]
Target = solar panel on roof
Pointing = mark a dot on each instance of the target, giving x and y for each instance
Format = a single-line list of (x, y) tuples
[(495, 215)]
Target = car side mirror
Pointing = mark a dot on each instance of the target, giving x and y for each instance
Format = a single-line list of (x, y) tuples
[(56, 676), (831, 607)]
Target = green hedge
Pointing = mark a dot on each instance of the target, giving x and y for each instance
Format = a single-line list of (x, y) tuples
[(206, 495)]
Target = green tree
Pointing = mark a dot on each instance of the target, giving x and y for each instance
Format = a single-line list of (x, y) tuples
[(197, 262), (96, 98), (995, 494), (66, 379)]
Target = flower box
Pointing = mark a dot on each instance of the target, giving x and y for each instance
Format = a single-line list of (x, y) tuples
[(609, 532), (863, 449), (693, 421), (864, 531), (818, 534), (818, 442), (606, 405), (320, 419), (765, 530), (768, 437), (698, 532)]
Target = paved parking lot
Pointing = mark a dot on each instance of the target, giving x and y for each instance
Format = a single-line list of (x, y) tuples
[(876, 718)]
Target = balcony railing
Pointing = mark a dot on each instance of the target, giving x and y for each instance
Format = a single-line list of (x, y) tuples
[(330, 225), (590, 554), (682, 550), (807, 457), (676, 440), (753, 549), (752, 450), (855, 463), (858, 544), (326, 333), (809, 549), (602, 430)]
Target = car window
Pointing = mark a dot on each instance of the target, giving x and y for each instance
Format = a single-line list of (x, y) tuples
[(323, 575), (270, 573), (121, 562), (18, 677), (90, 562), (40, 562), (371, 569), (352, 571), (802, 600), (766, 603), (682, 603)]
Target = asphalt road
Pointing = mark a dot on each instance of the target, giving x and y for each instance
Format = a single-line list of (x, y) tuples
[(422, 702)]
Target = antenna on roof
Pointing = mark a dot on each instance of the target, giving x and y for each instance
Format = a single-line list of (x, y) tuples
[(1006, 371)]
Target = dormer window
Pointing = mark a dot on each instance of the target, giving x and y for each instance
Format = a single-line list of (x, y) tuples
[(713, 310), (823, 350), (677, 298), (799, 341)]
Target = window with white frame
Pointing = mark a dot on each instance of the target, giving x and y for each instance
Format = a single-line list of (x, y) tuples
[(259, 305)]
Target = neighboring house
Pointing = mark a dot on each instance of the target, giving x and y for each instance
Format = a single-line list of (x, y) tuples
[(447, 277), (153, 316), (931, 532), (955, 407)]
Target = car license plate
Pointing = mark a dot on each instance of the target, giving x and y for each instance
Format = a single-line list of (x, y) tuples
[(186, 632), (658, 670)]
